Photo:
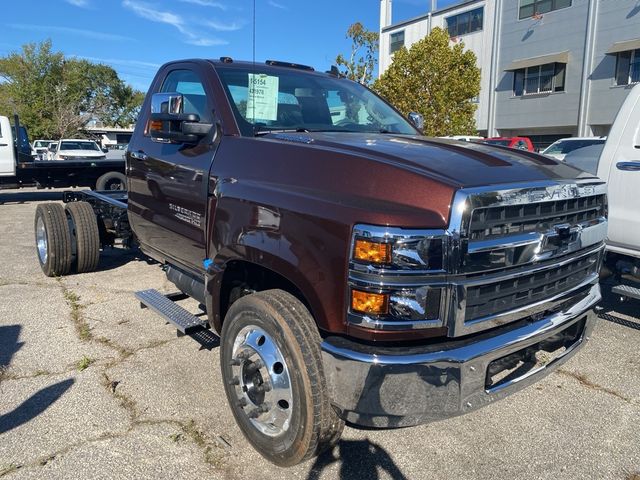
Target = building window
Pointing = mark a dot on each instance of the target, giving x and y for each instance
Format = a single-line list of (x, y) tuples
[(628, 67), (529, 8), (539, 79), (467, 22), (397, 41)]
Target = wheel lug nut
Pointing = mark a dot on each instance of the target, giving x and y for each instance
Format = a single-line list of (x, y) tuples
[(242, 402), (261, 389), (234, 381), (256, 412)]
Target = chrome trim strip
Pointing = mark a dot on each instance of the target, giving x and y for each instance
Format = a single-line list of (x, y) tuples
[(391, 325), (510, 241)]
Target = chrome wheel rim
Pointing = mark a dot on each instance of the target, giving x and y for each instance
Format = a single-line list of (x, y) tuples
[(262, 383), (41, 241)]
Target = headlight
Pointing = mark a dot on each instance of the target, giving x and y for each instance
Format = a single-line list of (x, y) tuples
[(397, 278), (398, 249), (63, 157)]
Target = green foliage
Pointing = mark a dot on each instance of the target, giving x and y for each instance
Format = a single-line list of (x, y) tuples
[(56, 96), (362, 60), (436, 80)]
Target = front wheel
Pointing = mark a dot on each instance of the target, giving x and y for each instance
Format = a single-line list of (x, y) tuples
[(272, 370)]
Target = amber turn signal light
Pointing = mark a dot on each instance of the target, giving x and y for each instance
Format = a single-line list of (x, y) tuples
[(367, 302), (155, 125), (373, 252)]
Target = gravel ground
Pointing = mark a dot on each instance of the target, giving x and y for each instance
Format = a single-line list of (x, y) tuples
[(94, 387)]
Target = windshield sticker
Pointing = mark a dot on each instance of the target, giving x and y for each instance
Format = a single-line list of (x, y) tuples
[(262, 103)]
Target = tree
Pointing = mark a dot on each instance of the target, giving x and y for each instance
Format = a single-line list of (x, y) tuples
[(55, 97), (362, 60), (437, 80)]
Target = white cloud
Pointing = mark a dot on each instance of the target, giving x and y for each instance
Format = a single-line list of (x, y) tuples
[(223, 27), (73, 31), (277, 5), (147, 11), (206, 42), (120, 61), (79, 3), (206, 3)]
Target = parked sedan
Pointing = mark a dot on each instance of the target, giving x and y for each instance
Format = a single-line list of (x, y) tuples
[(562, 147), (78, 149)]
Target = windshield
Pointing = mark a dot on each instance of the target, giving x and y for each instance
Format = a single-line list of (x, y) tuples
[(504, 143), (79, 146), (566, 146), (301, 101), (41, 144)]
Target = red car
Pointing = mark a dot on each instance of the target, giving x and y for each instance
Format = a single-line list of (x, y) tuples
[(521, 143)]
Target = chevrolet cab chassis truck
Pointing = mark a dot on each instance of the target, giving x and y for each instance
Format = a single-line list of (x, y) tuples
[(355, 270)]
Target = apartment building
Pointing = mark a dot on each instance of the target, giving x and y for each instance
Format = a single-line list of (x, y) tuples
[(550, 68)]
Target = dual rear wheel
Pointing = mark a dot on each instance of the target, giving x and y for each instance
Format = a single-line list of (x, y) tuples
[(67, 238)]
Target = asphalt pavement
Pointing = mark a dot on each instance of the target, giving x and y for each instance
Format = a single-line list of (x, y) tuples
[(94, 387)]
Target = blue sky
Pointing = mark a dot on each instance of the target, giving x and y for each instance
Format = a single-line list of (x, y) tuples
[(137, 36)]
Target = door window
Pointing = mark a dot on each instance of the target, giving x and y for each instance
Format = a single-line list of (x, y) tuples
[(190, 86)]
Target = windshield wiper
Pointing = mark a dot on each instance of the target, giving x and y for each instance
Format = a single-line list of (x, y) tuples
[(258, 133)]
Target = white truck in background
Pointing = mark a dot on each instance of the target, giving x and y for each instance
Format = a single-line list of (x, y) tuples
[(619, 166), (19, 168)]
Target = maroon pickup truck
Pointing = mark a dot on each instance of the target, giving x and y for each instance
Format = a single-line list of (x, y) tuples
[(354, 269)]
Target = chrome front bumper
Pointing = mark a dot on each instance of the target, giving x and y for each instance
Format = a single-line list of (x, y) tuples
[(388, 387)]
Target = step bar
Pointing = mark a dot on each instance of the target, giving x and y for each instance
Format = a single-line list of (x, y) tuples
[(626, 291), (173, 313)]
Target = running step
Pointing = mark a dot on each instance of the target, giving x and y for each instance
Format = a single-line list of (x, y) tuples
[(184, 321), (626, 291)]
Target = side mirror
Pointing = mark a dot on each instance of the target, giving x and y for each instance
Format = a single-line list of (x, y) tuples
[(105, 150), (417, 120), (170, 123)]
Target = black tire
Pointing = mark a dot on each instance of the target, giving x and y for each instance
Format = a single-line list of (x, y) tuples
[(84, 229), (53, 239), (314, 425), (112, 181)]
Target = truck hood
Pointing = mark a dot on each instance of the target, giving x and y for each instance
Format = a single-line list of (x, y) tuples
[(457, 163)]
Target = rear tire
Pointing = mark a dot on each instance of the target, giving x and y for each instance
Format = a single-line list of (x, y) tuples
[(53, 239), (112, 181), (84, 227), (274, 380)]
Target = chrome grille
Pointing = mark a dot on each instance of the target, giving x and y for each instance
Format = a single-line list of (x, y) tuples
[(501, 220), (500, 296), (522, 251)]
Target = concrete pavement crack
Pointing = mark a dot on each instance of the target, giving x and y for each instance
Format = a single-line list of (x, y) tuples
[(587, 383)]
